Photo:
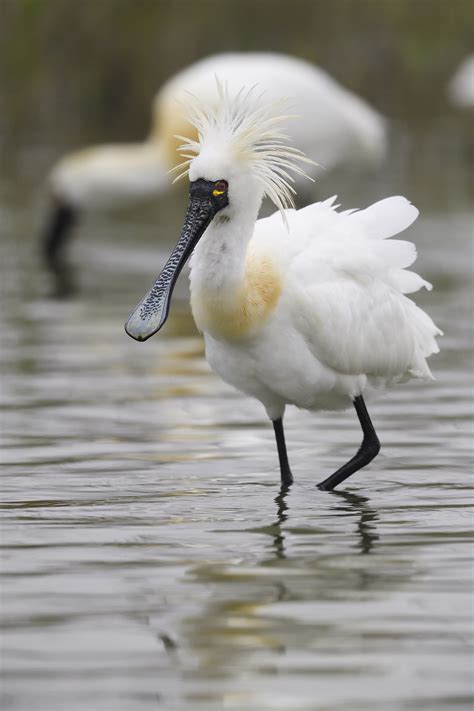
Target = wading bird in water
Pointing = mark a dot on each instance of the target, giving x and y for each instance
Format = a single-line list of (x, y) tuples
[(336, 126), (305, 307)]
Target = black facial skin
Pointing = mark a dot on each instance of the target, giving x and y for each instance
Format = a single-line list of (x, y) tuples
[(206, 199), (208, 190)]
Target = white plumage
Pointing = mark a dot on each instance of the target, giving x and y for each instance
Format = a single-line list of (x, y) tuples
[(335, 127), (110, 176), (308, 311), (461, 86), (342, 326)]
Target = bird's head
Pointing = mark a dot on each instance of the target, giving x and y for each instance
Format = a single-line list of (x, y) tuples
[(240, 156)]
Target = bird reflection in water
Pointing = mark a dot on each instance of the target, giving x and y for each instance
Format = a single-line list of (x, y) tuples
[(274, 530), (346, 502), (232, 622), (353, 503), (282, 508)]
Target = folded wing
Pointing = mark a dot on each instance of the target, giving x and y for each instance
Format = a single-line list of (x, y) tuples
[(347, 284)]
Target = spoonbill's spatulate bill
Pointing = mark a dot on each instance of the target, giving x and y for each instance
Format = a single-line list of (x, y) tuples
[(336, 127), (309, 310)]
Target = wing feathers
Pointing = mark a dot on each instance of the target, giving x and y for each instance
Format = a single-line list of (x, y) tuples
[(350, 282), (385, 218)]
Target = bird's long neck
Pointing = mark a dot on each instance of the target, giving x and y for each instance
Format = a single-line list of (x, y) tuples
[(218, 262), (233, 288)]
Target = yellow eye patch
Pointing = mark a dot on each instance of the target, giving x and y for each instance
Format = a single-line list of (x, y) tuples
[(220, 186)]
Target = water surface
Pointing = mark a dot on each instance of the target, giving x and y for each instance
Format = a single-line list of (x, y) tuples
[(150, 560)]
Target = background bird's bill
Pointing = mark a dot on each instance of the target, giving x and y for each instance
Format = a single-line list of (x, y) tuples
[(152, 311)]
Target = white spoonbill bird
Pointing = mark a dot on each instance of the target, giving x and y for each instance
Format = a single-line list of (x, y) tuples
[(309, 310), (461, 86), (336, 126)]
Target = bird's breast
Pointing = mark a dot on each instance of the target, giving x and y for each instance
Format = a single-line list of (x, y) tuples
[(232, 312)]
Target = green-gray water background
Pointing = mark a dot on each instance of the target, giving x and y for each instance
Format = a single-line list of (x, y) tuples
[(148, 559)]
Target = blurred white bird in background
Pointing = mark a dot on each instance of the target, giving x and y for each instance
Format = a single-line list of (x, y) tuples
[(309, 310), (335, 127), (461, 86)]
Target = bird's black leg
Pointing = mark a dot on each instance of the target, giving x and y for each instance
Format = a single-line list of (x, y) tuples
[(369, 449), (54, 240), (286, 475), (56, 233)]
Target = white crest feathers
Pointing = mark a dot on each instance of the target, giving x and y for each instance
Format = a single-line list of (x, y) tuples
[(251, 130)]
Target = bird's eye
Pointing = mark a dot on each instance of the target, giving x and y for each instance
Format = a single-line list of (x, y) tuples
[(220, 187)]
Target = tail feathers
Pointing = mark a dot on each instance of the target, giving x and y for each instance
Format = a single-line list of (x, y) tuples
[(406, 281), (420, 368), (396, 253), (425, 332)]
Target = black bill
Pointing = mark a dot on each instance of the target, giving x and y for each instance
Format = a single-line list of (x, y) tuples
[(152, 311)]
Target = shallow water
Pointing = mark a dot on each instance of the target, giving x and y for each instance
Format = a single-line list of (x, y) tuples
[(149, 559)]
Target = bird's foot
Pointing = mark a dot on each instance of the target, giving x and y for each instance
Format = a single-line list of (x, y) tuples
[(286, 478), (325, 485)]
